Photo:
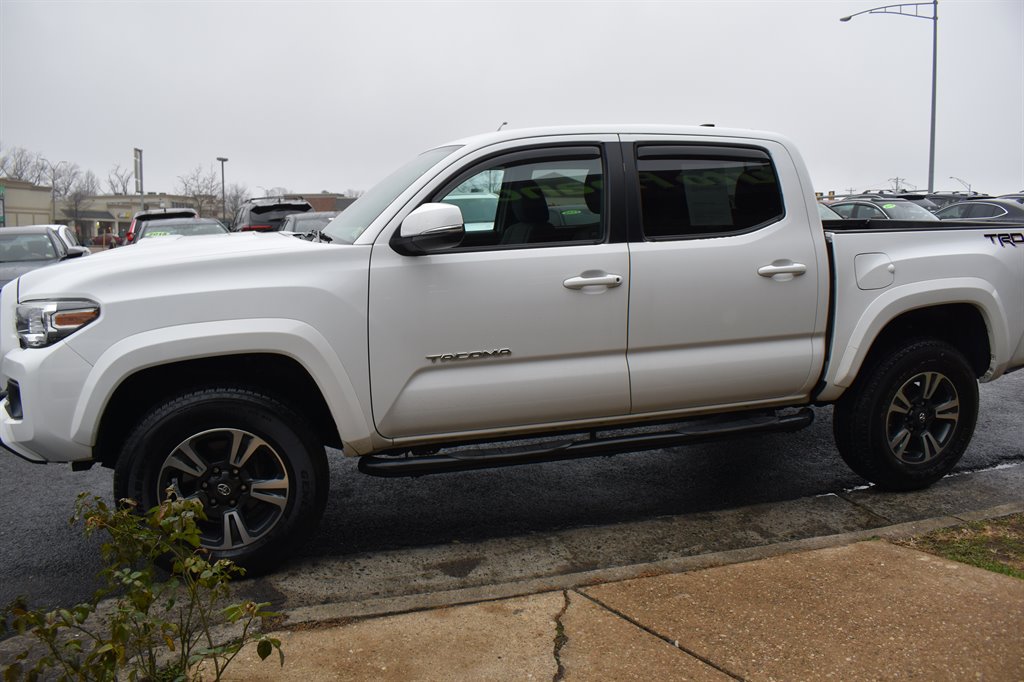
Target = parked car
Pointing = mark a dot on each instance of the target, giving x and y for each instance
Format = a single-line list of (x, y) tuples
[(1016, 196), (267, 214), (107, 239), (983, 209), (477, 208), (155, 214), (29, 247), (941, 199), (186, 227), (826, 213), (67, 235), (307, 223), (881, 208), (221, 368)]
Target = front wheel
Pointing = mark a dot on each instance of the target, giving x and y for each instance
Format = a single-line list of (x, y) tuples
[(255, 465), (908, 419)]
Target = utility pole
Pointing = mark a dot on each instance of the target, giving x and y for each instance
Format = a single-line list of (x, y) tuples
[(223, 201), (138, 179)]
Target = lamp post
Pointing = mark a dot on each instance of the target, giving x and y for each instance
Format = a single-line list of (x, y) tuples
[(912, 9), (223, 201), (962, 182)]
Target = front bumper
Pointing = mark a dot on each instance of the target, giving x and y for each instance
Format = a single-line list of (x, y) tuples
[(45, 385)]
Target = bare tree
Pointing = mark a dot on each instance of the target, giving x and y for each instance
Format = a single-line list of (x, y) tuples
[(20, 164), (119, 179), (202, 188), (278, 192), (80, 197), (63, 177), (234, 197)]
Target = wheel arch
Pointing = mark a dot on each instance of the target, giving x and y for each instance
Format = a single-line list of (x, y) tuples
[(279, 376), (961, 325), (968, 315)]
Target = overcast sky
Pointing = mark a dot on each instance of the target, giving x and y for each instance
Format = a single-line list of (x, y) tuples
[(316, 96)]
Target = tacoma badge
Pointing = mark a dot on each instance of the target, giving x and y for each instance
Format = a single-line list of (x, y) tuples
[(449, 357)]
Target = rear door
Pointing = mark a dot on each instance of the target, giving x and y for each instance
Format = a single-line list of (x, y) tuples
[(525, 322), (726, 284)]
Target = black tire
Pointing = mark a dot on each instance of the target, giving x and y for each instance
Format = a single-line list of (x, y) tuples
[(909, 417), (256, 465)]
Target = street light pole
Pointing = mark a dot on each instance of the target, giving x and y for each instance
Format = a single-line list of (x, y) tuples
[(223, 202), (962, 182), (911, 9)]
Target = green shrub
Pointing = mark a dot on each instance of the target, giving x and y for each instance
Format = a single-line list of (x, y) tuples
[(156, 629)]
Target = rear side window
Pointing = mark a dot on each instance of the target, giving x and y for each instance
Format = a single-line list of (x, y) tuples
[(688, 192)]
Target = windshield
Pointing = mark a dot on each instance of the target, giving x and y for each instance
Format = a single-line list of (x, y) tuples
[(166, 228), (905, 210), (21, 247), (354, 220)]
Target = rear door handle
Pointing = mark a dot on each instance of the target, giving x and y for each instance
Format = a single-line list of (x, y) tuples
[(782, 267), (588, 279)]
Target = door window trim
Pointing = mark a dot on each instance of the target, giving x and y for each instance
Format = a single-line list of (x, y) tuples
[(612, 212)]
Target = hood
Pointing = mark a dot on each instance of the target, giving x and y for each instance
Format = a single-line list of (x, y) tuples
[(130, 265), (13, 269)]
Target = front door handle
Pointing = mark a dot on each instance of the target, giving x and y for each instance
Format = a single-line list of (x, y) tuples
[(782, 267), (590, 279)]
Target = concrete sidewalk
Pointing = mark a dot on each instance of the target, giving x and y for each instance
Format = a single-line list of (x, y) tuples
[(861, 610)]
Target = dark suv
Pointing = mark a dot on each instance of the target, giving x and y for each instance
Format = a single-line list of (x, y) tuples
[(267, 214), (155, 214)]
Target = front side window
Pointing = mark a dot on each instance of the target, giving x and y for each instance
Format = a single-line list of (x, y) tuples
[(544, 201), (705, 192)]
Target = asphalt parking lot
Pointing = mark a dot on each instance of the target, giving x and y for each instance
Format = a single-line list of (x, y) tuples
[(584, 515)]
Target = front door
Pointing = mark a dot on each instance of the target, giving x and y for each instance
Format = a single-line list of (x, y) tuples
[(522, 324)]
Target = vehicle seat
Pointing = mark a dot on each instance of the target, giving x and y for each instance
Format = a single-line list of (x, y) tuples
[(16, 252), (756, 199), (593, 196), (663, 204), (529, 212)]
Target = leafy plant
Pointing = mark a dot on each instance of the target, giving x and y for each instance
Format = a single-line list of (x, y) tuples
[(155, 629)]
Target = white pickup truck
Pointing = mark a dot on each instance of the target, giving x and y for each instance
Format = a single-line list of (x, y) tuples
[(677, 278)]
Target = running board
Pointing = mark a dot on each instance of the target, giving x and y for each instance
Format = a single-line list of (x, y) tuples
[(463, 460)]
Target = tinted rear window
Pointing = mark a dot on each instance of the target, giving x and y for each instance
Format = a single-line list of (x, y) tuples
[(281, 209)]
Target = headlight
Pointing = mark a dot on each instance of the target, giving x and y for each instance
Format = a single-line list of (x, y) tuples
[(43, 323)]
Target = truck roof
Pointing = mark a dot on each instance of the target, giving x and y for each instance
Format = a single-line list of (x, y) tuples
[(506, 134)]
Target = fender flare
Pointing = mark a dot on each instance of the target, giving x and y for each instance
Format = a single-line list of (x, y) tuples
[(290, 338), (893, 303)]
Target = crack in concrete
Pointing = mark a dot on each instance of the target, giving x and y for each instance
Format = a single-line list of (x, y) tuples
[(845, 497), (561, 639), (671, 642)]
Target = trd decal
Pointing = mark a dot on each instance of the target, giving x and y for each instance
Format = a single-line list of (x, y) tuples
[(1005, 239)]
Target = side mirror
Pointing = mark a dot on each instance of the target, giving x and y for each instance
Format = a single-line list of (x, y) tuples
[(429, 228), (78, 251)]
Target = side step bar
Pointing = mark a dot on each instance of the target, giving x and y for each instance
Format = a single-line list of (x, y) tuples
[(551, 451)]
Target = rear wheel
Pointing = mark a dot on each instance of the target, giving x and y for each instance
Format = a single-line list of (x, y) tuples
[(256, 466), (910, 416)]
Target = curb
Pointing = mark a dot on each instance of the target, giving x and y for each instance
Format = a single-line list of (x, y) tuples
[(327, 615)]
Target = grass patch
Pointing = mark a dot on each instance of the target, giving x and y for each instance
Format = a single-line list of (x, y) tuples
[(994, 544)]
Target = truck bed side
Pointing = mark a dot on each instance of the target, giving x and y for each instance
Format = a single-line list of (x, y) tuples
[(963, 282)]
